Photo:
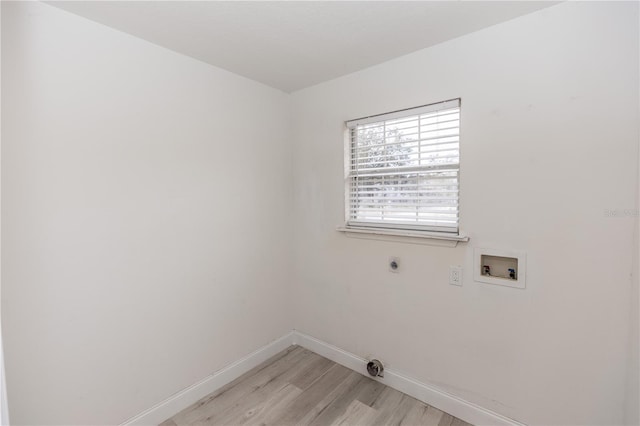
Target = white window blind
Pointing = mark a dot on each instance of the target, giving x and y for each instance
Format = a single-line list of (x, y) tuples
[(404, 169)]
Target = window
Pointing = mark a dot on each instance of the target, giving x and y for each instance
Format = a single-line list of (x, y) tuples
[(404, 169)]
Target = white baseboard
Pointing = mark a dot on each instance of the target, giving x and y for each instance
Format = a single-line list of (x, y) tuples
[(428, 394), (181, 400)]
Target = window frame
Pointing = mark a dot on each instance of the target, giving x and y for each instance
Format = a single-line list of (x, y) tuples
[(402, 229)]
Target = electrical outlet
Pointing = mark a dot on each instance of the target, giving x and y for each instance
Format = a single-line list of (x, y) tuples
[(455, 275)]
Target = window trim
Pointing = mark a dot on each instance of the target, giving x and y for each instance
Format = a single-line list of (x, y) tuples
[(446, 236), (390, 229)]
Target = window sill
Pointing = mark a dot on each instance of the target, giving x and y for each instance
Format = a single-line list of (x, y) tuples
[(404, 236)]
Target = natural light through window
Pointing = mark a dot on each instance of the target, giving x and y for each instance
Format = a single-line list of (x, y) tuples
[(404, 169)]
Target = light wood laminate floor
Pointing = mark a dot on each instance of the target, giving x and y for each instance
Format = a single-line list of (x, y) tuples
[(299, 387)]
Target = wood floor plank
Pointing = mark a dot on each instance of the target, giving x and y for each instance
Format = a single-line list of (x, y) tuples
[(256, 393), (415, 415), (269, 409), (404, 406), (299, 387), (432, 417), (251, 403), (370, 391), (457, 422), (300, 406), (301, 373), (356, 414), (336, 402), (285, 357), (386, 404), (184, 417), (306, 377), (207, 410), (445, 420)]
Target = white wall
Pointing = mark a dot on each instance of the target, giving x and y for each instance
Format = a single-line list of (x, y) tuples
[(145, 221), (632, 402), (4, 407), (132, 269), (549, 142)]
